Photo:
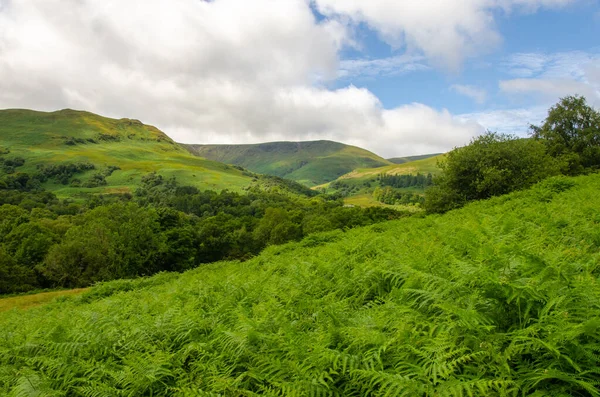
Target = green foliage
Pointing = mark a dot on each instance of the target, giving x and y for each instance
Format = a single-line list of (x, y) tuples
[(491, 165), (62, 173), (112, 241), (406, 180), (571, 132), (165, 227), (500, 298), (391, 196)]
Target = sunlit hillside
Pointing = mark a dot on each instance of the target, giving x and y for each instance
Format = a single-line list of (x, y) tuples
[(121, 150)]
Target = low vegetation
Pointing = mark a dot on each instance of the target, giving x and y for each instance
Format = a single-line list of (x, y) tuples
[(499, 298)]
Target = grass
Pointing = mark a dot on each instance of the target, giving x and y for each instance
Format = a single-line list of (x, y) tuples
[(43, 138), (362, 181), (366, 200), (500, 298), (407, 159), (310, 163), (424, 166), (24, 302)]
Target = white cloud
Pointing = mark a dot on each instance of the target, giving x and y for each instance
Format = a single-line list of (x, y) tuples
[(396, 65), (550, 90), (551, 76), (508, 121), (445, 31), (479, 95), (224, 71)]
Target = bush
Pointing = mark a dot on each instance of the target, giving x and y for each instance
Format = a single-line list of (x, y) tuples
[(491, 165)]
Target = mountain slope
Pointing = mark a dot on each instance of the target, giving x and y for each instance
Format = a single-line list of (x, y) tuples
[(358, 187), (311, 163), (500, 298), (408, 159), (69, 137)]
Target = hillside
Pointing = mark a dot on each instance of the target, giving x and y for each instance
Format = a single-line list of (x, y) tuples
[(359, 187), (423, 166), (408, 159), (120, 150), (500, 298), (311, 163)]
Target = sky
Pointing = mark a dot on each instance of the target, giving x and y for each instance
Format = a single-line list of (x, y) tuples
[(398, 77)]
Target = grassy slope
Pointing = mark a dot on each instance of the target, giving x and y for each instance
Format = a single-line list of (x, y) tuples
[(29, 301), (425, 166), (311, 163), (408, 159), (365, 180), (500, 298), (40, 137)]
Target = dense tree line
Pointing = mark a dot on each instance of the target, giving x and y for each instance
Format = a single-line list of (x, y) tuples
[(405, 181), (568, 142), (388, 195), (46, 242)]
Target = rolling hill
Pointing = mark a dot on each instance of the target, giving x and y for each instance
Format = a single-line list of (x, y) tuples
[(121, 150), (357, 186), (423, 166), (500, 298), (408, 159), (311, 163)]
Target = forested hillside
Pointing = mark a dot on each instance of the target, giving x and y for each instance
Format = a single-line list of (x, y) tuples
[(310, 163), (497, 299)]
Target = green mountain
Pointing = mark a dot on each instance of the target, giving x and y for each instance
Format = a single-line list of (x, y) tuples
[(408, 159), (500, 298), (63, 144), (311, 163)]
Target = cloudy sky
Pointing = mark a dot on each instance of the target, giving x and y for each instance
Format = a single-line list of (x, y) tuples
[(398, 77)]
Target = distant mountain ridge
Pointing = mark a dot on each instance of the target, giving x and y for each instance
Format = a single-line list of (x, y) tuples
[(311, 163)]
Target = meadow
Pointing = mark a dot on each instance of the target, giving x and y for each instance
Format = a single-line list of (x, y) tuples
[(499, 298)]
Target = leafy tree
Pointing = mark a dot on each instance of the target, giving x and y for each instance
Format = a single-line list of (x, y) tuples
[(113, 241), (13, 277), (491, 165), (277, 227), (571, 132), (29, 243)]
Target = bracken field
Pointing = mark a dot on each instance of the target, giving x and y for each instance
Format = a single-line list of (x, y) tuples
[(499, 298)]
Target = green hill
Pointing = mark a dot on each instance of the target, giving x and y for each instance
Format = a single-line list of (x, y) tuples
[(311, 163), (423, 166), (500, 298), (357, 187), (408, 159), (123, 149)]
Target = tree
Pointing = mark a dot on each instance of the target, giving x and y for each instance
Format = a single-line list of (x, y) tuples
[(571, 133), (276, 227), (111, 241), (491, 165)]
